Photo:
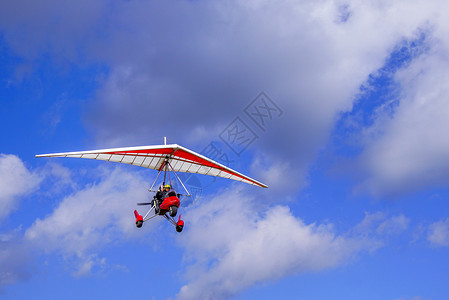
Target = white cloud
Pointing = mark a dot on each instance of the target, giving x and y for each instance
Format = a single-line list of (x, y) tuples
[(412, 152), (93, 216), (393, 225), (15, 181), (311, 57), (381, 225), (406, 150), (90, 218), (231, 246), (280, 176), (308, 62), (438, 233)]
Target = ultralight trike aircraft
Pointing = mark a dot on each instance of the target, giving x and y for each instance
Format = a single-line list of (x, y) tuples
[(164, 158)]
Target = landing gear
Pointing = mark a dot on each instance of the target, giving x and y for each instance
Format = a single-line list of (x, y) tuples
[(179, 224), (173, 211), (139, 219)]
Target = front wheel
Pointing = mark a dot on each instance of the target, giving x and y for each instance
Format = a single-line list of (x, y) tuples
[(173, 211), (179, 228)]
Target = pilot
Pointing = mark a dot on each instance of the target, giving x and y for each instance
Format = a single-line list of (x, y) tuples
[(159, 197), (168, 190), (163, 192), (160, 193)]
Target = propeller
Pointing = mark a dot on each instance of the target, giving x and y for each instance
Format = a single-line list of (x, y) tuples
[(145, 203)]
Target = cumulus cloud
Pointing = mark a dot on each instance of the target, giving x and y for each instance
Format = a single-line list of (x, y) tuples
[(302, 48), (394, 225), (382, 225), (231, 246), (405, 147), (438, 233), (93, 216), (411, 153), (280, 176), (169, 74), (310, 57), (219, 69), (183, 66), (15, 181)]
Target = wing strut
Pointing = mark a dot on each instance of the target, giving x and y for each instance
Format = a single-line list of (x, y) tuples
[(167, 164), (188, 194)]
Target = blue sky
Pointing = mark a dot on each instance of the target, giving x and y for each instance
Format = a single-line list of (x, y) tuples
[(351, 140)]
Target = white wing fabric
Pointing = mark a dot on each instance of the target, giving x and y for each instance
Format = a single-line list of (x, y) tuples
[(181, 160)]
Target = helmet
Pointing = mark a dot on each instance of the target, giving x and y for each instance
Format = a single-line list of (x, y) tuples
[(167, 186)]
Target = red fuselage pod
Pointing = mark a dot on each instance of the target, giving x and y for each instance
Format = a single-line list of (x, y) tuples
[(169, 201)]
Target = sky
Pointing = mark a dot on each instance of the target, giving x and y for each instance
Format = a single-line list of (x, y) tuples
[(340, 107)]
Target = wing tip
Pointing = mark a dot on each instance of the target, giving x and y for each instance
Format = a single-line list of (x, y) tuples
[(262, 185), (50, 155)]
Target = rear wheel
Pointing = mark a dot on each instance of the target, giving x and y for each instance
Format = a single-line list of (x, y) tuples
[(173, 211), (139, 223)]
